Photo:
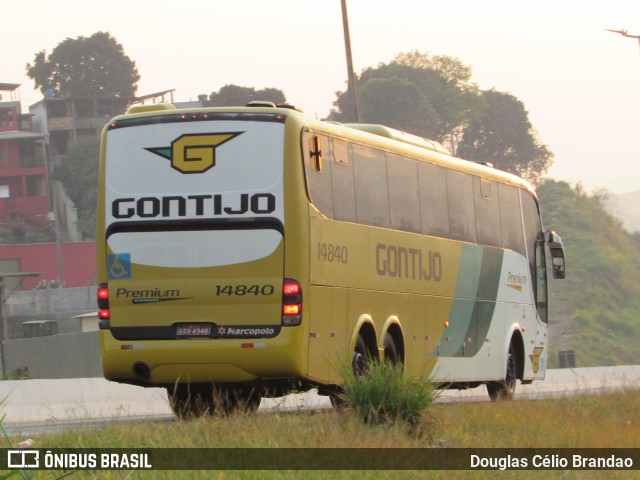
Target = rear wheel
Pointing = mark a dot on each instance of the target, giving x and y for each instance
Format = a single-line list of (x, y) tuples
[(231, 399), (192, 401), (338, 398), (505, 389), (390, 350), (360, 362), (360, 359)]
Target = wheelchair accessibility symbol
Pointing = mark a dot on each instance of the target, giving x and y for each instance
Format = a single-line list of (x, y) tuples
[(119, 266)]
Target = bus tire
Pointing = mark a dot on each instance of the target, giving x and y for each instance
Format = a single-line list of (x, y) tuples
[(198, 400), (241, 399), (191, 400), (360, 360), (390, 350), (228, 399), (338, 399), (506, 389)]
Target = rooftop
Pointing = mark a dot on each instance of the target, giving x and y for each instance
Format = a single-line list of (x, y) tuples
[(8, 87)]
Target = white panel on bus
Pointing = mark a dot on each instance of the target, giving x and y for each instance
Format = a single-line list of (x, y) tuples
[(193, 249)]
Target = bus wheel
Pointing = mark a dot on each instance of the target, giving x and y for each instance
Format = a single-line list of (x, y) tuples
[(506, 389), (360, 360), (338, 398), (191, 401), (237, 399), (390, 350)]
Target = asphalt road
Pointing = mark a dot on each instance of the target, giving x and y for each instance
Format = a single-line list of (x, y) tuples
[(35, 406)]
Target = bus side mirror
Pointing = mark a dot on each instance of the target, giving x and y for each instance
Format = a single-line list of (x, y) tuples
[(556, 248)]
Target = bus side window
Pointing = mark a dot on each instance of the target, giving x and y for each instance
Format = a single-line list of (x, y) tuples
[(372, 196), (344, 200), (534, 239), (316, 151), (434, 207), (341, 153), (541, 281), (404, 204), (461, 208), (511, 219), (487, 211)]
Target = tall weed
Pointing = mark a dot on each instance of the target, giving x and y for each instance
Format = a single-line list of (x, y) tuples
[(387, 395)]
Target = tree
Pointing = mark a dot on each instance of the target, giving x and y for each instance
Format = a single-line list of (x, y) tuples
[(486, 126), (397, 102), (502, 135), (79, 175), (85, 66), (234, 95), (444, 82)]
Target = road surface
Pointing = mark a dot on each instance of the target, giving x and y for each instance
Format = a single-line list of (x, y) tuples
[(34, 406)]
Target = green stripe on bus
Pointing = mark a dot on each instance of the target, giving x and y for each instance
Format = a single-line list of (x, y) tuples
[(469, 320)]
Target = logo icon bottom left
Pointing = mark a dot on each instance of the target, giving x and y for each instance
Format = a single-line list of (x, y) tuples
[(23, 459)]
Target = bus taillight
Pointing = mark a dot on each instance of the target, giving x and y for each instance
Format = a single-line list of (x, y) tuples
[(103, 306), (291, 302)]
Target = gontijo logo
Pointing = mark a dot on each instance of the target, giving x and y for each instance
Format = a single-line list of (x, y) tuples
[(193, 153)]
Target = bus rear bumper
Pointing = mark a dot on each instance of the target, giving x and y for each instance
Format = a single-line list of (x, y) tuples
[(167, 362)]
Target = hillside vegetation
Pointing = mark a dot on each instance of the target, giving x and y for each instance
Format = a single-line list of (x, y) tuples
[(595, 311)]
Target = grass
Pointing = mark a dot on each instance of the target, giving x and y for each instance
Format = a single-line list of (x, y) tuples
[(387, 395), (600, 421)]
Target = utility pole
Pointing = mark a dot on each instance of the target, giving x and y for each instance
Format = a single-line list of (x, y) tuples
[(353, 85), (53, 216), (624, 33)]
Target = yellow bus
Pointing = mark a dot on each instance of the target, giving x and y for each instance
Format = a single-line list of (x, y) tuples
[(245, 252)]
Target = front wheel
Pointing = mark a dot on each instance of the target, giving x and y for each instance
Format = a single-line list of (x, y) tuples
[(506, 389)]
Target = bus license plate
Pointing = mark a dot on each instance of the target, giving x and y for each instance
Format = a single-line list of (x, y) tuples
[(193, 331)]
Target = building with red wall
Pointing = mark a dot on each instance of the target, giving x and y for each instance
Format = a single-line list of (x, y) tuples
[(77, 264), (27, 236), (24, 179), (31, 145)]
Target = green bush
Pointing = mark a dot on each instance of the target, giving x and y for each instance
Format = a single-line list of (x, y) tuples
[(386, 395)]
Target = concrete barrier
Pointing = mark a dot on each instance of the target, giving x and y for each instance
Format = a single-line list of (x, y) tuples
[(73, 355)]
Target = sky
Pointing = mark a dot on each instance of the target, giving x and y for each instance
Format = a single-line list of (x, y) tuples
[(579, 83)]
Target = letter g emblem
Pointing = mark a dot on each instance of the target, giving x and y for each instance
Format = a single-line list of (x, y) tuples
[(196, 153), (193, 153)]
